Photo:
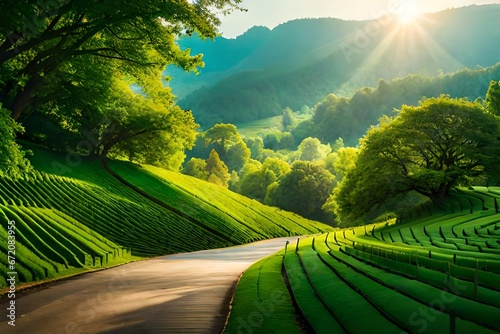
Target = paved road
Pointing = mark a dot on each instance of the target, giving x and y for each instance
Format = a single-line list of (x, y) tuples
[(182, 293)]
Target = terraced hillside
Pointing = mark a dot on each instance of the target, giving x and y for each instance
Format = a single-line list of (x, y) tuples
[(71, 215), (439, 274)]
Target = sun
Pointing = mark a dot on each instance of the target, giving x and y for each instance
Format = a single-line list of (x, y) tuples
[(408, 12)]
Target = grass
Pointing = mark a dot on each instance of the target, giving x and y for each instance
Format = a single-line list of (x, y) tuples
[(260, 127), (75, 216), (389, 277), (267, 306)]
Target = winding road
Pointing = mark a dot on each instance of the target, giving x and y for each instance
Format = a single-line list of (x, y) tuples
[(181, 293)]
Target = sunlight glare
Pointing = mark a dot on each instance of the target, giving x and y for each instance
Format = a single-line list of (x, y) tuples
[(408, 12)]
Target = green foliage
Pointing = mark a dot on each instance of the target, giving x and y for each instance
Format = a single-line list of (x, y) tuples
[(311, 149), (217, 170), (197, 168), (288, 119), (227, 142), (256, 147), (304, 190), (256, 178), (271, 142), (348, 118), (146, 128), (13, 162), (287, 142), (46, 38), (493, 98), (341, 161), (303, 130), (430, 149)]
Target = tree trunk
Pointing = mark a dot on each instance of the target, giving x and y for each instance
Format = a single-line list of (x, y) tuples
[(23, 97), (441, 194)]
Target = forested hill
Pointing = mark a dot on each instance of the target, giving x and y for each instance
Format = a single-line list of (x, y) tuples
[(299, 62)]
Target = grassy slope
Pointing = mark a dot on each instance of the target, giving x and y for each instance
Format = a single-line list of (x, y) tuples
[(429, 264), (266, 306), (71, 215)]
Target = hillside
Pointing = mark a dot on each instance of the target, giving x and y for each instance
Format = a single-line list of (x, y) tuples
[(301, 61), (71, 215), (443, 263), (350, 118)]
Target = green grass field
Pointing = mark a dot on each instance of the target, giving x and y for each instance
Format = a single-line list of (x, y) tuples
[(436, 274), (265, 126), (71, 215), (260, 127)]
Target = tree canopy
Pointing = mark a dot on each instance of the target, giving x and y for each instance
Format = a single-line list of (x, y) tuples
[(63, 65), (303, 190), (431, 148), (38, 38), (12, 161)]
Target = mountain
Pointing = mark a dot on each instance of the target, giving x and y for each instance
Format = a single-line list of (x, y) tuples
[(299, 62)]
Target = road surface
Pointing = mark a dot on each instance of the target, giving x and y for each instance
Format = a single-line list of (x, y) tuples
[(181, 293)]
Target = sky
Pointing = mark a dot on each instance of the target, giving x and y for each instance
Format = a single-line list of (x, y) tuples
[(271, 13)]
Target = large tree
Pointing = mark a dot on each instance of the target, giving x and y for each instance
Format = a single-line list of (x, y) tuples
[(146, 127), (37, 38), (431, 148), (493, 98), (303, 190), (217, 170), (226, 140)]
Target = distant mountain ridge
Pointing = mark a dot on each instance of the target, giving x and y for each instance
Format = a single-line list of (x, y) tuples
[(299, 62)]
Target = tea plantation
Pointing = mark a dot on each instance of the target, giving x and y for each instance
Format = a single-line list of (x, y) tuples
[(439, 273), (72, 215)]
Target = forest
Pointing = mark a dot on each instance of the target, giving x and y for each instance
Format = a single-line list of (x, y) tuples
[(87, 82), (411, 155)]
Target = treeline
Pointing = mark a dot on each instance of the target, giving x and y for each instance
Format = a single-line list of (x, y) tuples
[(350, 118), (273, 170), (303, 168)]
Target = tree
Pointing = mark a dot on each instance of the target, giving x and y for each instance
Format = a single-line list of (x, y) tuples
[(256, 147), (12, 158), (37, 38), (271, 142), (217, 170), (256, 177), (287, 142), (340, 162), (493, 98), (303, 190), (288, 119), (303, 130), (226, 140), (311, 149), (147, 127), (431, 148), (197, 168)]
